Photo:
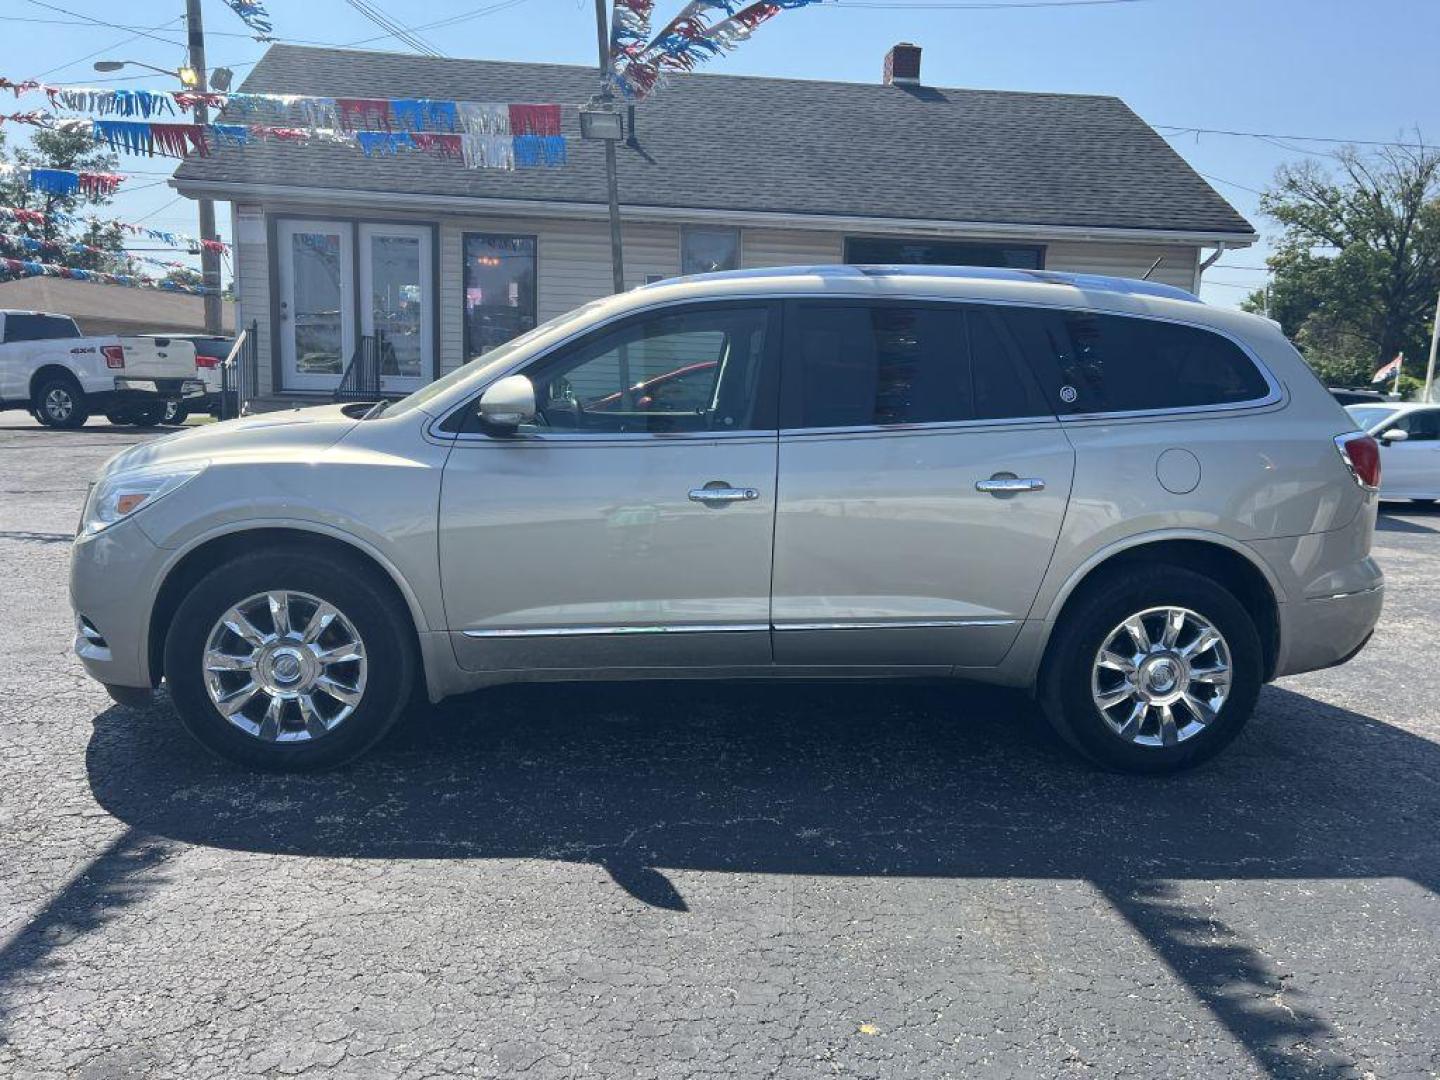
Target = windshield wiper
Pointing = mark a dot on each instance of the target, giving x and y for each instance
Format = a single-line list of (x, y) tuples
[(375, 410)]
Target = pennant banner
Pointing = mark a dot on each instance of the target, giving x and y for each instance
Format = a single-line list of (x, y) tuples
[(23, 268), (23, 216), (34, 245), (531, 134), (691, 38), (253, 14), (64, 181)]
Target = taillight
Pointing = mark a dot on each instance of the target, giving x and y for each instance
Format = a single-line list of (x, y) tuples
[(207, 361), (114, 355), (1361, 455)]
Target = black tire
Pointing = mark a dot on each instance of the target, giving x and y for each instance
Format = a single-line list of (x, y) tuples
[(1066, 679), (176, 413), (119, 417), (148, 415), (377, 615), (60, 403)]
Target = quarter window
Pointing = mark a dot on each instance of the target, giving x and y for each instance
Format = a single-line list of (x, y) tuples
[(864, 365), (1087, 362)]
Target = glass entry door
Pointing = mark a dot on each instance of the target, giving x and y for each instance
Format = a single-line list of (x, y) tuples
[(396, 298), (317, 303)]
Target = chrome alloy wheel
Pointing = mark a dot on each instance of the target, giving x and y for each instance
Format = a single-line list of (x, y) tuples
[(285, 666), (59, 404), (1161, 676)]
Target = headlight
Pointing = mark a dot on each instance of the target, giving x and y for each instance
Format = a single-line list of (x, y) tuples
[(121, 495)]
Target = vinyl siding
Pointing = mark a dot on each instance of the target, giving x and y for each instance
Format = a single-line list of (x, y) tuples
[(1125, 260), (574, 263)]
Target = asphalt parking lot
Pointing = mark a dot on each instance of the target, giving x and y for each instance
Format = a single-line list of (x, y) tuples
[(710, 880)]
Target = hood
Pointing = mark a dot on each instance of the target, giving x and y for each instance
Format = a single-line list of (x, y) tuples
[(296, 433)]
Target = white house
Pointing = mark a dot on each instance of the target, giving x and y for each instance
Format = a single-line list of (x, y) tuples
[(718, 172)]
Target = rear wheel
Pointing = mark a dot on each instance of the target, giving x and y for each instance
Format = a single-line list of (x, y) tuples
[(176, 413), (289, 660), (148, 415), (1153, 671), (60, 403)]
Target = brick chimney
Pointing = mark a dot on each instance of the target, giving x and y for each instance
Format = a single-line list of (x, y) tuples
[(902, 65)]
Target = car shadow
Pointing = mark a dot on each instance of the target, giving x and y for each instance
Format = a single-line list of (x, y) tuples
[(1388, 521), (884, 780)]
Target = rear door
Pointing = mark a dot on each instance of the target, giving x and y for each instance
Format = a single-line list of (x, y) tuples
[(923, 483)]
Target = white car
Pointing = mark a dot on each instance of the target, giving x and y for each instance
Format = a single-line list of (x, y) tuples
[(48, 367), (1409, 436)]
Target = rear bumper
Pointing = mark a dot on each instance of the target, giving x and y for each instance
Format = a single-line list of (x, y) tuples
[(127, 387), (1325, 631)]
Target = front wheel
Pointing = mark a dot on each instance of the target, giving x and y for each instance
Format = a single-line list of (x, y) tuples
[(1153, 671), (60, 403), (289, 660)]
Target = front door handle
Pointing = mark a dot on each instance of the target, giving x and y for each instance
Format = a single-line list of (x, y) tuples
[(1009, 485), (718, 493)]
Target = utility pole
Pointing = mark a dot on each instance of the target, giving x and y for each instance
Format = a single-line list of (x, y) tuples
[(209, 260), (1430, 368), (606, 97)]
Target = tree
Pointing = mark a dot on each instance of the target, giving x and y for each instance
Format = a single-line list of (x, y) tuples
[(74, 150), (1357, 267)]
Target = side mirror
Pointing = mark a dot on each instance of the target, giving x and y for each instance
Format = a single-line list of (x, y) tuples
[(1394, 435), (508, 403)]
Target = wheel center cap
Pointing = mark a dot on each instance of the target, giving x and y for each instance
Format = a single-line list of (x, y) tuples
[(1162, 677), (287, 667)]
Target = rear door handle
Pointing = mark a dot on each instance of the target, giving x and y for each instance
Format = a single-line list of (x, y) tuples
[(720, 494), (1009, 485)]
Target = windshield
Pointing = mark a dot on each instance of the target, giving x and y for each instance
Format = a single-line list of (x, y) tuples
[(1367, 417), (495, 358)]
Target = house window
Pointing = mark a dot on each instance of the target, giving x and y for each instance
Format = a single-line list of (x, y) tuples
[(881, 251), (499, 290), (704, 251)]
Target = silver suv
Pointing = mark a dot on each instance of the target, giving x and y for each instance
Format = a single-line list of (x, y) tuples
[(1136, 506)]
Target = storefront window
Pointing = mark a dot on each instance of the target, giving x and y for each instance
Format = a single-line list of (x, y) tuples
[(704, 251), (499, 290)]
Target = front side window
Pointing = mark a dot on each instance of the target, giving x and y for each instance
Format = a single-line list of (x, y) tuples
[(1088, 362), (706, 250), (701, 369), (499, 290), (867, 365), (1423, 425)]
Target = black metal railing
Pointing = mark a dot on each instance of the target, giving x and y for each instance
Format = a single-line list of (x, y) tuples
[(240, 374), (362, 378)]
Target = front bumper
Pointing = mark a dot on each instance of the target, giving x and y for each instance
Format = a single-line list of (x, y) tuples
[(111, 576)]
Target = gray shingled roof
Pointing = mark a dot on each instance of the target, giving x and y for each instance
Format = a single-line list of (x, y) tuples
[(776, 145)]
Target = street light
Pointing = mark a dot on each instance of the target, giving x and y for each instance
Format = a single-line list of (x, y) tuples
[(186, 75)]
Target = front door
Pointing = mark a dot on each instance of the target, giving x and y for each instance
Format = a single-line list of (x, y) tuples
[(396, 297), (631, 524), (1410, 468), (317, 303), (923, 483)]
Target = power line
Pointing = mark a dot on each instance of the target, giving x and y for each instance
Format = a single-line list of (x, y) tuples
[(399, 32), (1232, 183), (1179, 129), (139, 32)]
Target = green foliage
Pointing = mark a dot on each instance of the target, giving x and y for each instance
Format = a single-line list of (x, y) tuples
[(1357, 267), (73, 150)]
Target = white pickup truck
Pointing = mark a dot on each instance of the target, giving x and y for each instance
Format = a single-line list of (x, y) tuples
[(48, 367)]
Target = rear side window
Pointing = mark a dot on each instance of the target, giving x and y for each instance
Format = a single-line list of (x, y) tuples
[(1088, 362), (25, 327), (868, 365)]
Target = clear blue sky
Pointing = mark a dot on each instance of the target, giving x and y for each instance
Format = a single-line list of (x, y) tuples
[(1333, 68)]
